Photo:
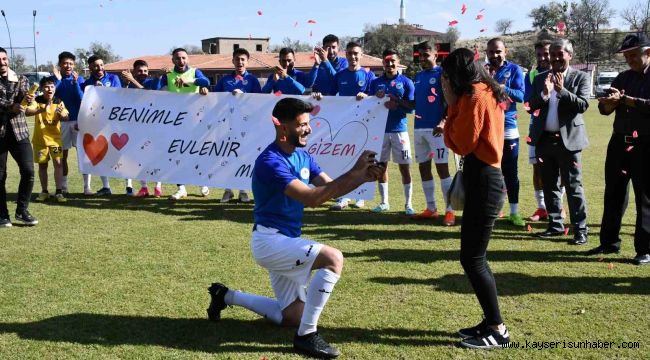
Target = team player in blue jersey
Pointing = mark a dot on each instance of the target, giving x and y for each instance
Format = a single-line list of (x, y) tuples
[(327, 64), (352, 81), (139, 78), (98, 77), (285, 78), (430, 112), (511, 78), (238, 82), (68, 89), (281, 182), (397, 145)]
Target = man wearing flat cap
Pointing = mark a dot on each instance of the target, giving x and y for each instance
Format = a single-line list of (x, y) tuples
[(628, 150)]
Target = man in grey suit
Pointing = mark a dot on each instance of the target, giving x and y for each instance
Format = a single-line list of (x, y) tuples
[(559, 135)]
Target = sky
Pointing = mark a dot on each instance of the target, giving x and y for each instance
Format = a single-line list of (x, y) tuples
[(152, 27)]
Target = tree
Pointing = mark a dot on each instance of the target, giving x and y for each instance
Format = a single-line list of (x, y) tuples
[(191, 49), (637, 16), (296, 45), (18, 64), (104, 51), (451, 36), (546, 17), (503, 26), (585, 19), (379, 37)]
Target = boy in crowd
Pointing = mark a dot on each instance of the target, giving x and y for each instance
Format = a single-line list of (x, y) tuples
[(139, 79), (397, 145), (238, 82), (48, 112), (430, 112)]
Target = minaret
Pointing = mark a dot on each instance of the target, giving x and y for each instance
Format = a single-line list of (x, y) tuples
[(402, 13)]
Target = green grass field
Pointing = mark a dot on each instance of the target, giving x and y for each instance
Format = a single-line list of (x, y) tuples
[(126, 278)]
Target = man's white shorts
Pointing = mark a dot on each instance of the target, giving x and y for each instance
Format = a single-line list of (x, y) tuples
[(397, 144), (68, 134), (429, 147), (288, 261), (532, 158)]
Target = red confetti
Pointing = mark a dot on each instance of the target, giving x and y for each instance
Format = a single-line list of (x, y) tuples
[(503, 105), (635, 134), (566, 231), (239, 77), (432, 154), (483, 30), (317, 123), (463, 9), (402, 141), (529, 228), (259, 12), (375, 138), (479, 17), (434, 91), (576, 164), (315, 110), (392, 83), (526, 106), (536, 113), (629, 148), (610, 266), (275, 121), (431, 98), (278, 93), (311, 21), (528, 140), (453, 23)]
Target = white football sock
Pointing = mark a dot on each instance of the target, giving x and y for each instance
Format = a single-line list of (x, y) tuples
[(445, 184), (105, 182), (429, 188), (87, 178), (383, 192), (513, 208), (318, 293), (261, 305), (408, 195), (539, 196), (182, 188), (129, 183), (158, 184)]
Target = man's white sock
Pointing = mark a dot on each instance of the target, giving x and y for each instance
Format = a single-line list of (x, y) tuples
[(383, 192), (181, 188), (539, 196), (129, 183), (408, 195), (261, 305), (158, 184), (513, 208), (87, 178), (105, 182), (318, 293), (445, 184), (429, 188)]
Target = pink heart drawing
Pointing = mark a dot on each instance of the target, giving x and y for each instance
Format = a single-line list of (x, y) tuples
[(316, 110), (119, 141), (346, 144)]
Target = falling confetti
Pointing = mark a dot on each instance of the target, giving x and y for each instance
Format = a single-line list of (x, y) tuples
[(463, 9), (540, 160), (278, 93), (295, 24), (481, 10), (624, 172), (392, 83), (38, 33), (434, 91), (503, 105), (453, 23), (311, 21), (576, 164), (526, 106), (529, 228), (566, 231), (418, 116), (402, 141), (479, 17), (431, 98), (275, 120), (536, 113), (635, 134), (311, 34), (629, 148), (610, 266), (259, 12), (432, 154), (528, 140), (483, 30)]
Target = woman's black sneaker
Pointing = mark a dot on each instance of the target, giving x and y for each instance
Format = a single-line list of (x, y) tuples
[(477, 330), (488, 340), (26, 218), (313, 345)]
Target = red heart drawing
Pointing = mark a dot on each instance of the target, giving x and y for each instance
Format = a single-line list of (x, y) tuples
[(316, 110), (95, 149), (119, 141), (431, 98)]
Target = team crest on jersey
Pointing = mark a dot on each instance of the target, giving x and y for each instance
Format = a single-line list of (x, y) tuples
[(244, 82), (361, 82), (432, 81), (304, 173), (506, 75), (399, 86), (108, 83)]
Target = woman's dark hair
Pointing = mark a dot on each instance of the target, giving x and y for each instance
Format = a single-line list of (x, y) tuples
[(463, 71)]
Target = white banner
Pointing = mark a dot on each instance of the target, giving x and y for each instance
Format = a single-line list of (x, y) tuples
[(213, 140)]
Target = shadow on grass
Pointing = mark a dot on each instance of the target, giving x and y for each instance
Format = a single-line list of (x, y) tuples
[(200, 335), (515, 284), (430, 256)]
